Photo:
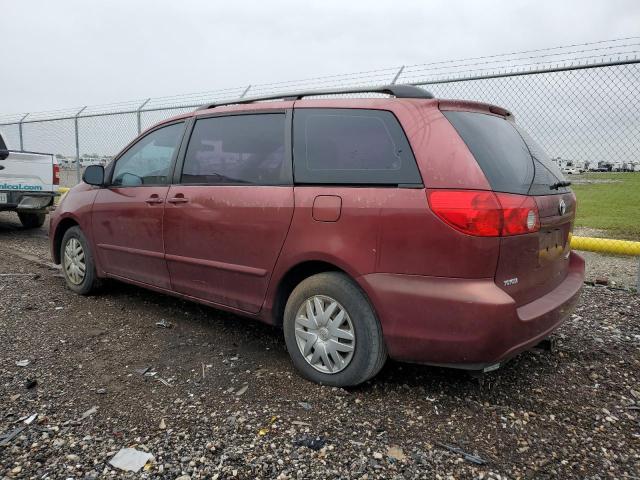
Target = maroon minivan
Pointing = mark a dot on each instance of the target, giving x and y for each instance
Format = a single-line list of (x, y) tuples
[(427, 230)]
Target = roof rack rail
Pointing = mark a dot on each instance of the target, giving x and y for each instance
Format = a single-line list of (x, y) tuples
[(398, 91)]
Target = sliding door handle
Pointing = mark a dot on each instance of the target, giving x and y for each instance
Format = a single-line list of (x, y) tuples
[(179, 198)]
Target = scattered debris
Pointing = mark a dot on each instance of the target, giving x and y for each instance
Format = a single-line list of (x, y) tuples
[(89, 412), (162, 425), (6, 438), (143, 370), (22, 363), (314, 443), (164, 382), (602, 281), (263, 431), (130, 459), (300, 424), (101, 391), (30, 383), (305, 405), (467, 456), (30, 420), (242, 390), (164, 324), (396, 452)]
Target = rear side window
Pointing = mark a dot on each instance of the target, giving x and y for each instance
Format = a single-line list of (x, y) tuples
[(3, 146), (353, 147), (240, 149), (510, 159)]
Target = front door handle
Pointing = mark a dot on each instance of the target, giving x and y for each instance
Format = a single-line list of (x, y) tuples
[(154, 199), (179, 198)]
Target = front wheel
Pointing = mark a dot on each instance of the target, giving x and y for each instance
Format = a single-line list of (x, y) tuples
[(31, 220), (332, 333), (78, 265)]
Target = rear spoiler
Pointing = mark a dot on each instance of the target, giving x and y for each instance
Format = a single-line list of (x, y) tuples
[(470, 106)]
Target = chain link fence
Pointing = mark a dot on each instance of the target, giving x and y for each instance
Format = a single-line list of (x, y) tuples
[(583, 107)]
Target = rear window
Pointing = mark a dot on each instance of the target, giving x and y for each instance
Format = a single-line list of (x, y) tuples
[(349, 146), (510, 159)]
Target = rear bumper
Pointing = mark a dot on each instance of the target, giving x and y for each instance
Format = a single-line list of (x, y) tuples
[(465, 323), (27, 201)]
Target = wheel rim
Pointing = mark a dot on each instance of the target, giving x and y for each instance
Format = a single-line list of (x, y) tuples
[(325, 334), (74, 261)]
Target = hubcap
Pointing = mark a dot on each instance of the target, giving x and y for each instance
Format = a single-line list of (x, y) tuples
[(74, 262), (325, 334)]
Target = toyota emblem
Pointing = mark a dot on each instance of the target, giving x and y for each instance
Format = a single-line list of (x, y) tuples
[(562, 207)]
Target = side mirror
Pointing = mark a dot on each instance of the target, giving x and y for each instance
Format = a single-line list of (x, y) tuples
[(94, 175), (4, 153)]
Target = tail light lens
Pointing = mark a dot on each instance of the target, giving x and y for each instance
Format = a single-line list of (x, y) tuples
[(485, 214), (56, 174)]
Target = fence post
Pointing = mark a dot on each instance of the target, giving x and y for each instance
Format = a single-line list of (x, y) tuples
[(75, 121), (245, 91), (138, 112), (395, 79), (20, 132)]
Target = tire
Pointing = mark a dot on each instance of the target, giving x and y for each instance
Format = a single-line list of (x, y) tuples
[(31, 220), (81, 283), (302, 335)]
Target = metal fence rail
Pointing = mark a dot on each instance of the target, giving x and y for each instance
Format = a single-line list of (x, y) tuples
[(585, 115), (585, 112)]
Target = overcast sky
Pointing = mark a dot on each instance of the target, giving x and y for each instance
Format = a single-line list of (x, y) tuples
[(64, 53)]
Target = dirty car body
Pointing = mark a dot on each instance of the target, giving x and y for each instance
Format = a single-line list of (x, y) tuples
[(445, 217)]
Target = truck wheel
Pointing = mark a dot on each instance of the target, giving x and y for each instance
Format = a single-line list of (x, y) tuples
[(31, 220), (332, 333), (78, 265)]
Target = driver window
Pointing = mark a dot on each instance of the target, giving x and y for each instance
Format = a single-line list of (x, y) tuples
[(148, 161)]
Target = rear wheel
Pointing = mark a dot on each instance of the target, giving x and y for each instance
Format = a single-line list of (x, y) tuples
[(31, 220), (78, 265), (332, 333)]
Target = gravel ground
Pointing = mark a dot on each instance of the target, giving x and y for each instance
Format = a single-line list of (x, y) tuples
[(225, 401), (617, 270)]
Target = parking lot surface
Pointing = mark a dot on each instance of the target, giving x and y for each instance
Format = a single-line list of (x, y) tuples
[(215, 396)]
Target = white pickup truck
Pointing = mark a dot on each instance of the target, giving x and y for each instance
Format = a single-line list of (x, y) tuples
[(28, 184)]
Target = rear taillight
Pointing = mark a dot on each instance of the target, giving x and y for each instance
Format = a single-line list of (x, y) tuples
[(520, 214), (56, 174), (485, 214)]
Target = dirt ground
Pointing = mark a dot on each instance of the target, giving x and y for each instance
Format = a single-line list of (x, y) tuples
[(570, 413)]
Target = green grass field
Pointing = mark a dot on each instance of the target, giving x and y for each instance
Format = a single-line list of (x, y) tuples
[(611, 203)]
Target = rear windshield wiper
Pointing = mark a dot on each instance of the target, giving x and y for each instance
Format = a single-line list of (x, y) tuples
[(557, 185)]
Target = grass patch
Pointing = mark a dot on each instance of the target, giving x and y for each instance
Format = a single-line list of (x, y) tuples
[(611, 203)]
